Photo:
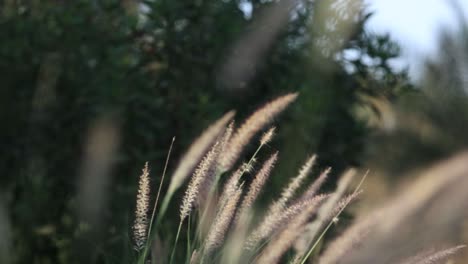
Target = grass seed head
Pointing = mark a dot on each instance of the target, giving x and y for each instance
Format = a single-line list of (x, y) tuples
[(140, 225)]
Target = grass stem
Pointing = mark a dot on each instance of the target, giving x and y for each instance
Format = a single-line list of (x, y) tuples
[(175, 243), (148, 239)]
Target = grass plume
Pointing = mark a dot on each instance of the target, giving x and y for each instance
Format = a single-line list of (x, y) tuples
[(140, 225), (291, 189), (192, 157), (216, 235), (257, 184), (204, 170), (267, 136), (434, 257), (251, 126), (284, 240)]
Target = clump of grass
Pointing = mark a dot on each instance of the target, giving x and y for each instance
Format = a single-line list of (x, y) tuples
[(292, 227)]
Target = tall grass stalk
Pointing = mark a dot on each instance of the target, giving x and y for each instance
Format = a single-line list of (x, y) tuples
[(148, 240), (189, 241)]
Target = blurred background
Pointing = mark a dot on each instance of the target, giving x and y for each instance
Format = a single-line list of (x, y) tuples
[(90, 90)]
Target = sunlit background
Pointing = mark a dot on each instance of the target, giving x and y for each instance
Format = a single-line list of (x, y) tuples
[(416, 25)]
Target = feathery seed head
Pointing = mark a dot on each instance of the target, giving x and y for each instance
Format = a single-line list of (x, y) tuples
[(251, 126), (275, 210), (345, 244), (258, 182), (222, 222), (227, 136), (203, 171), (268, 136), (349, 243), (344, 202), (232, 184), (197, 150), (300, 206), (325, 213), (140, 225), (211, 173), (283, 241), (272, 222), (433, 257), (194, 258), (315, 186), (289, 191)]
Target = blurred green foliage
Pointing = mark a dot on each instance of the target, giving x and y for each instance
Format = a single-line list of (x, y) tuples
[(153, 67)]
